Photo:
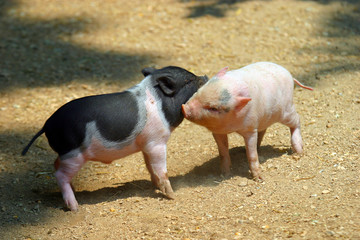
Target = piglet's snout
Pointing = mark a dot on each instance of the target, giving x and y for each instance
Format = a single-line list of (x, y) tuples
[(191, 109), (185, 111)]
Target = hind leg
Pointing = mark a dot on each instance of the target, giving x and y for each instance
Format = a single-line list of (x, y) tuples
[(296, 140), (66, 170), (293, 122)]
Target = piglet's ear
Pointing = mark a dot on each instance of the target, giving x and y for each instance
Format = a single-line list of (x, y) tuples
[(241, 102), (222, 72), (147, 71), (167, 85)]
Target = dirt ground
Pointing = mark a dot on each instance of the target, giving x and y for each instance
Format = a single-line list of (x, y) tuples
[(54, 51)]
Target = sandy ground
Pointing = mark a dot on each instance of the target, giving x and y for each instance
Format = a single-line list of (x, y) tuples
[(55, 51)]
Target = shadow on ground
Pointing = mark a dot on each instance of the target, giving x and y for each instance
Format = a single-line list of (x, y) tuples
[(218, 8), (340, 43), (215, 8), (35, 53), (35, 196), (207, 174), (344, 24)]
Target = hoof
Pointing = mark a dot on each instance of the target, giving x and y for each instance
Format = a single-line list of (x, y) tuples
[(167, 190), (226, 172), (73, 206), (70, 201), (258, 179), (226, 175), (170, 196)]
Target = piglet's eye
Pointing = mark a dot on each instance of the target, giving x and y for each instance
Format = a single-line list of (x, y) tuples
[(212, 109)]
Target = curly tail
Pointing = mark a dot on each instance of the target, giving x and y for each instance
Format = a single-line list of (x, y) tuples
[(303, 86), (32, 141)]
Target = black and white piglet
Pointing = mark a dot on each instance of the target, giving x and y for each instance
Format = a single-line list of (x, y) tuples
[(111, 126)]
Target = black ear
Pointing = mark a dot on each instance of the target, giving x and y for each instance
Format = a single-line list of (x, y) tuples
[(148, 71), (167, 85)]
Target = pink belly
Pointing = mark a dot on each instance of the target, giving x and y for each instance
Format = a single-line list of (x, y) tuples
[(97, 152)]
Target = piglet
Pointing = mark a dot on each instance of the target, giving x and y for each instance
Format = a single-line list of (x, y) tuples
[(111, 126), (246, 101)]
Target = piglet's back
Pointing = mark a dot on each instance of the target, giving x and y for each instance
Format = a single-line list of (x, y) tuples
[(264, 75), (270, 87)]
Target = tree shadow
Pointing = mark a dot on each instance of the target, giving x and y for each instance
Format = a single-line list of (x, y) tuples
[(213, 8), (331, 1), (340, 27), (218, 8), (19, 199), (37, 53), (340, 34)]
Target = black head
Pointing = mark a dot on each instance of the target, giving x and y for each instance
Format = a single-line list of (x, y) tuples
[(175, 86), (172, 79)]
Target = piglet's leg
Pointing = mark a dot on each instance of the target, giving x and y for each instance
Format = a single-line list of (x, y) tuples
[(66, 170), (223, 147), (251, 140), (293, 122), (155, 159), (296, 140), (260, 137), (150, 169)]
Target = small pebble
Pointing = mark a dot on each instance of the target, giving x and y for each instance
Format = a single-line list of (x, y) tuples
[(243, 183)]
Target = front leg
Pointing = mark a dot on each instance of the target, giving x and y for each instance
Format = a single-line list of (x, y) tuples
[(260, 137), (155, 159), (251, 140), (223, 147)]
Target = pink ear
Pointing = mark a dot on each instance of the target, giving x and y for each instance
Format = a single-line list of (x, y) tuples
[(222, 72), (241, 102)]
